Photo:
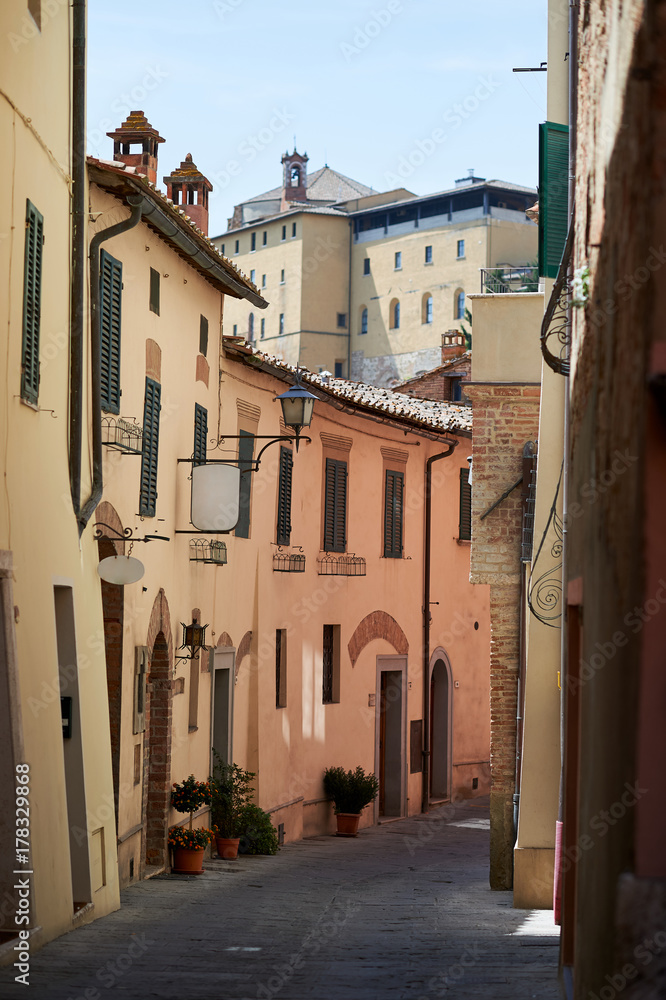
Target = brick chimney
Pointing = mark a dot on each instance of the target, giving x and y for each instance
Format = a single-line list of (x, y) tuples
[(294, 178), (453, 345), (137, 130), (188, 188)]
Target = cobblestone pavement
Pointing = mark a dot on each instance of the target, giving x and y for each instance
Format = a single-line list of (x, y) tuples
[(402, 911)]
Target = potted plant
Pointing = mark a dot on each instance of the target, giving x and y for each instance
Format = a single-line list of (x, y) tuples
[(231, 791), (351, 792), (189, 844)]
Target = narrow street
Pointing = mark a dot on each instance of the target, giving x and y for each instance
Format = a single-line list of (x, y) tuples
[(402, 911)]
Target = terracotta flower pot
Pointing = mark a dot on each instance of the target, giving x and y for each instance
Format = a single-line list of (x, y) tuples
[(188, 860), (227, 847), (347, 824)]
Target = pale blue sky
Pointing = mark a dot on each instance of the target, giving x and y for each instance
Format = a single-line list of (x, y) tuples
[(409, 92)]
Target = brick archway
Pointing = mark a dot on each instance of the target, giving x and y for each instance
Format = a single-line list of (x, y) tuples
[(106, 513), (160, 621), (225, 640), (157, 739), (376, 625), (243, 649)]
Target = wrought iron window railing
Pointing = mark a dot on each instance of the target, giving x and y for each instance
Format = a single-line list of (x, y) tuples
[(122, 435), (288, 562), (343, 564)]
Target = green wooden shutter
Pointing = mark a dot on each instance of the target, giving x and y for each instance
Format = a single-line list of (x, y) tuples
[(335, 506), (553, 196), (465, 522), (200, 434), (245, 452), (284, 497), (32, 293), (110, 293), (393, 491), (151, 434)]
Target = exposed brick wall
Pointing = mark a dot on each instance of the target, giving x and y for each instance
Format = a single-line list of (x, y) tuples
[(243, 649), (376, 625), (157, 739), (225, 640), (203, 370), (153, 360), (113, 605)]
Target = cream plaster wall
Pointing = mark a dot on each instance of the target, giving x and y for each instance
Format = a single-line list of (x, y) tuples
[(506, 329)]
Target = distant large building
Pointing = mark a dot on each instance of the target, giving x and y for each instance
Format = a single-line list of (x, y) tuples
[(367, 285)]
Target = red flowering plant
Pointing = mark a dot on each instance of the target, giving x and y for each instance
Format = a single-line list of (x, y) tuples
[(187, 797)]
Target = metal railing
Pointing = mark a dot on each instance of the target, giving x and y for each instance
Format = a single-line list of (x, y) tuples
[(507, 278)]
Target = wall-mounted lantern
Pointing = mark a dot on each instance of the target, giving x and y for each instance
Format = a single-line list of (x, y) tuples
[(194, 638), (297, 407)]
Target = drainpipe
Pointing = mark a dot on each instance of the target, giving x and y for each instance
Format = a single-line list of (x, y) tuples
[(349, 300), (97, 486), (425, 793), (78, 259)]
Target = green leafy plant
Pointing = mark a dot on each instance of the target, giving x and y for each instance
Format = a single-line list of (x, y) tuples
[(258, 836), (350, 790), (231, 789), (182, 836), (190, 795)]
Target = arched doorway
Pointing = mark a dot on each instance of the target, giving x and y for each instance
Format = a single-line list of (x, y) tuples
[(440, 726), (157, 748)]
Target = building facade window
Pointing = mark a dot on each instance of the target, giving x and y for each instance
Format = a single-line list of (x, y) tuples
[(203, 336), (342, 321), (426, 309), (338, 369), (330, 693), (283, 533), (250, 327), (366, 265), (461, 249), (397, 263), (394, 315), (284, 233), (335, 506), (282, 276), (200, 435), (293, 230), (245, 454), (253, 242), (110, 293), (264, 238), (237, 246), (459, 305), (393, 514), (222, 249), (263, 281), (428, 255), (154, 291), (235, 329), (281, 324), (252, 275), (151, 438), (32, 297), (263, 327), (280, 668), (364, 320), (465, 521)]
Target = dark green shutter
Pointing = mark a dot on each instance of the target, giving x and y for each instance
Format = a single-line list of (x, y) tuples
[(110, 292), (245, 452), (200, 434), (553, 196), (393, 508), (284, 497), (465, 522), (151, 435), (155, 291), (32, 293), (335, 506)]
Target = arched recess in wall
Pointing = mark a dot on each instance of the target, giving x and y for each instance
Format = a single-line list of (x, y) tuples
[(113, 613), (157, 740), (376, 625), (459, 304), (363, 320), (426, 308), (441, 725), (394, 314)]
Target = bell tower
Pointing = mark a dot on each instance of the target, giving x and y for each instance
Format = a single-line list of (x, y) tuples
[(294, 178), (189, 189), (137, 130)]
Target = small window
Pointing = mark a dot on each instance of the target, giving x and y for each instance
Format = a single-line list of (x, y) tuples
[(237, 246), (283, 533), (263, 327), (235, 329), (222, 249), (459, 305), (426, 314), (461, 249), (428, 255), (154, 291), (110, 292), (253, 242), (338, 366), (151, 435), (335, 506), (394, 315), (281, 324), (366, 265), (398, 260), (203, 336), (252, 274), (364, 320), (465, 522), (342, 321), (282, 276), (293, 230), (250, 328), (284, 233), (456, 390), (263, 281), (330, 693), (280, 667), (264, 238), (200, 435)]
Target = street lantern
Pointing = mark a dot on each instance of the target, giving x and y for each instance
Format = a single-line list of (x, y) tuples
[(297, 406), (194, 639)]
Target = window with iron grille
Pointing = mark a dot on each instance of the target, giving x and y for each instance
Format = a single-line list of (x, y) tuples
[(393, 513), (465, 523), (110, 293), (280, 668), (154, 291), (151, 434), (331, 664), (200, 435), (335, 506), (32, 294), (245, 453), (284, 497)]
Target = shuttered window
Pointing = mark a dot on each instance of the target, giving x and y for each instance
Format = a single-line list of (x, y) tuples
[(335, 506), (465, 523), (154, 291), (203, 336), (393, 512), (200, 435), (553, 196), (151, 434), (110, 293), (245, 452), (284, 497), (32, 293)]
